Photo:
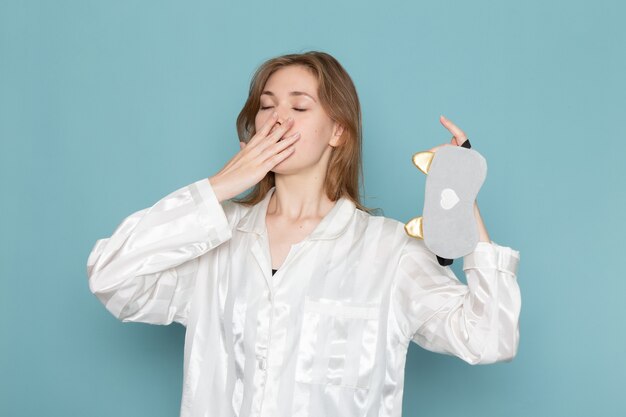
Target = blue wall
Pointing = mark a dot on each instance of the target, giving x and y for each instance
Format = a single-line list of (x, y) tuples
[(106, 106)]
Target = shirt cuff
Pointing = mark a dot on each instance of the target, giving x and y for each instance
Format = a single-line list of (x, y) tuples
[(492, 255), (213, 213)]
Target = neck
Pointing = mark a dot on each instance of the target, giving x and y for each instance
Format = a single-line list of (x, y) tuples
[(299, 196)]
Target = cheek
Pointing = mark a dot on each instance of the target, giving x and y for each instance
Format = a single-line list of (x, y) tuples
[(311, 145), (309, 138), (258, 122), (313, 132)]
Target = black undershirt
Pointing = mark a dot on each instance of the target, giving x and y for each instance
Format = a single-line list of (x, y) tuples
[(274, 271)]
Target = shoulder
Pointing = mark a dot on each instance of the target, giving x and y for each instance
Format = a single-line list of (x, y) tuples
[(392, 230)]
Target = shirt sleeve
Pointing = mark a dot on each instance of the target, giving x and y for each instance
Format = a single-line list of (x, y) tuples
[(146, 270), (477, 322)]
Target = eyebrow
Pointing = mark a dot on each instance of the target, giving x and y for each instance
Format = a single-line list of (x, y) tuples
[(293, 93)]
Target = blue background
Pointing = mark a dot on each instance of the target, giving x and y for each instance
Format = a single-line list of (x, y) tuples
[(107, 106)]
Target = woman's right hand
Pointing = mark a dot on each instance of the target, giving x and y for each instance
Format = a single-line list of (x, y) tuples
[(266, 149)]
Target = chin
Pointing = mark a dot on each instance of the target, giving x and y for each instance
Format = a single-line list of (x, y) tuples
[(286, 167)]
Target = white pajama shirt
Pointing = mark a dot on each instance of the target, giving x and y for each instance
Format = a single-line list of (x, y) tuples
[(328, 333)]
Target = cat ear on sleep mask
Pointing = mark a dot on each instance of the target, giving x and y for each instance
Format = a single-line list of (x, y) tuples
[(447, 225)]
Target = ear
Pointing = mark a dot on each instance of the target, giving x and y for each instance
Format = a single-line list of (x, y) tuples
[(414, 228), (336, 135), (242, 145), (422, 160)]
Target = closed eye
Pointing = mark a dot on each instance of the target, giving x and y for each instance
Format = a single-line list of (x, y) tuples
[(269, 107)]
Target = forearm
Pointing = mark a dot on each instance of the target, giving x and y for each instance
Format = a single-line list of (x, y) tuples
[(482, 230), (144, 271)]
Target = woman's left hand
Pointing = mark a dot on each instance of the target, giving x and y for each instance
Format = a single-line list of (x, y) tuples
[(458, 136)]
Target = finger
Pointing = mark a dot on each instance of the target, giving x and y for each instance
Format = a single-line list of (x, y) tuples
[(276, 124), (271, 162), (282, 144), (461, 141), (274, 136), (456, 132), (265, 128), (269, 123), (433, 149), (440, 146)]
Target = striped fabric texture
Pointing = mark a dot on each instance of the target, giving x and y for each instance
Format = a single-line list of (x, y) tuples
[(328, 333)]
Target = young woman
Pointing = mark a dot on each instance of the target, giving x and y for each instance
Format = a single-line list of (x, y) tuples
[(297, 301)]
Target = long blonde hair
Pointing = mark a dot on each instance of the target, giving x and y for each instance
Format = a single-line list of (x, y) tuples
[(339, 99)]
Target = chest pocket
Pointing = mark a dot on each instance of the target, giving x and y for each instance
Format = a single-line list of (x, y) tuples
[(338, 341)]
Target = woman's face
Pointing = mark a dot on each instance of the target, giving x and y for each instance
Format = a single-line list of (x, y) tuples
[(292, 92)]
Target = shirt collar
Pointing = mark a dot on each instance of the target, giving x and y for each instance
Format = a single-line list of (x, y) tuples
[(332, 225)]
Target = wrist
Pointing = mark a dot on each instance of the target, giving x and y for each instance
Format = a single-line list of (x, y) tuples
[(218, 188)]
